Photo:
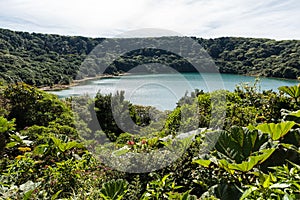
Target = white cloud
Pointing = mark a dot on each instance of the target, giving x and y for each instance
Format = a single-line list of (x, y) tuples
[(204, 18)]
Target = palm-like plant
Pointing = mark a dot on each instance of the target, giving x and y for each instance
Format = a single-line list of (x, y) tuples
[(292, 91), (114, 189)]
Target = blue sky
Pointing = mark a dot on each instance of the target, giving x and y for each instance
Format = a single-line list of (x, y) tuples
[(278, 19)]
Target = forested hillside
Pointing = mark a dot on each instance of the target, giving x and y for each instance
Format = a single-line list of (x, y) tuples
[(40, 59), (45, 60)]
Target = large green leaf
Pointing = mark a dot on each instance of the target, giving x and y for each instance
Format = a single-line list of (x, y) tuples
[(238, 143), (202, 162), (62, 146), (244, 166), (292, 116), (292, 91), (252, 161), (222, 191), (276, 131), (114, 189), (295, 113), (6, 125)]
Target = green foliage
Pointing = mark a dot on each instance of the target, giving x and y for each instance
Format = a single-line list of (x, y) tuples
[(296, 114), (28, 57), (292, 91), (5, 128), (124, 138), (160, 188), (116, 116), (238, 150), (65, 146), (283, 183), (15, 139), (291, 115), (244, 153), (114, 189), (24, 191), (248, 164), (110, 110), (238, 143), (173, 122), (184, 196), (276, 131), (224, 109), (222, 191), (40, 107), (44, 157), (5, 125)]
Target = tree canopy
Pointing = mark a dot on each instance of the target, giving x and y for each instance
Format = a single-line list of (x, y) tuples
[(45, 59)]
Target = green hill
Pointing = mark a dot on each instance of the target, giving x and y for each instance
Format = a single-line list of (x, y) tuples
[(45, 60)]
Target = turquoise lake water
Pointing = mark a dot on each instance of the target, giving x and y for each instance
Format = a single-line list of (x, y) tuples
[(164, 90)]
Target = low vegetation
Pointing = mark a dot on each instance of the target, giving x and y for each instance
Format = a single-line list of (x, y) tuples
[(50, 148)]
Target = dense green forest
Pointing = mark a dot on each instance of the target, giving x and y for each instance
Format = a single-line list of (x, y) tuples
[(243, 144), (45, 60), (52, 149)]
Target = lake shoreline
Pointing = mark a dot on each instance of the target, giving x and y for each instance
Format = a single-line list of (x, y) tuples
[(58, 87)]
